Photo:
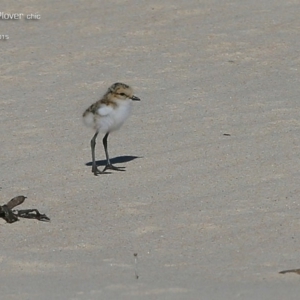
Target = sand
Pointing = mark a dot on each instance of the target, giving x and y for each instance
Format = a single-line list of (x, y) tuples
[(210, 216)]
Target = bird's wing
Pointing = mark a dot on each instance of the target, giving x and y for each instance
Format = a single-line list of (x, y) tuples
[(105, 110)]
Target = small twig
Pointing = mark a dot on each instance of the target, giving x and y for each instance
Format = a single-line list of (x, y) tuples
[(297, 271), (135, 266)]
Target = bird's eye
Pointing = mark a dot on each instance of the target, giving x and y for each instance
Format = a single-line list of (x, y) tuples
[(122, 94)]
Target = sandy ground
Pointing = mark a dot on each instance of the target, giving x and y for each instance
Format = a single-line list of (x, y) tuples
[(211, 216)]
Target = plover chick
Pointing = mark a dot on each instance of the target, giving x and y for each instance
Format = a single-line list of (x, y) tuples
[(107, 115)]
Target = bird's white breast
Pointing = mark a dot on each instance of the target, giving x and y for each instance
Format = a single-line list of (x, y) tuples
[(112, 118)]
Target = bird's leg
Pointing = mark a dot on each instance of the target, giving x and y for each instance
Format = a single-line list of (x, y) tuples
[(108, 164), (94, 166)]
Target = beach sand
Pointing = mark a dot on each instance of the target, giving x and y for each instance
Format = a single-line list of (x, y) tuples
[(209, 200)]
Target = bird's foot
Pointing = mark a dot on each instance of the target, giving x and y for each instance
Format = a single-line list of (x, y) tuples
[(96, 171), (111, 167)]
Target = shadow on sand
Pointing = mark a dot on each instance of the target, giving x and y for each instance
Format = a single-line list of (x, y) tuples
[(115, 160)]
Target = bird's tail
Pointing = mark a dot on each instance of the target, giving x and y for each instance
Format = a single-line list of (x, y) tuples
[(88, 118)]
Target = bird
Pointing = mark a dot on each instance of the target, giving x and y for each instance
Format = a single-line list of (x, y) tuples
[(107, 115)]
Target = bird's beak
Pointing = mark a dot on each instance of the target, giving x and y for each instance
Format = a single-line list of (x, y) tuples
[(134, 98)]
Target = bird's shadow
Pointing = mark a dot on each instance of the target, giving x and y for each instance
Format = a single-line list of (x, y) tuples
[(115, 160)]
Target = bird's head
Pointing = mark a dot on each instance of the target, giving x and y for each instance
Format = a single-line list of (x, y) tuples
[(122, 91)]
